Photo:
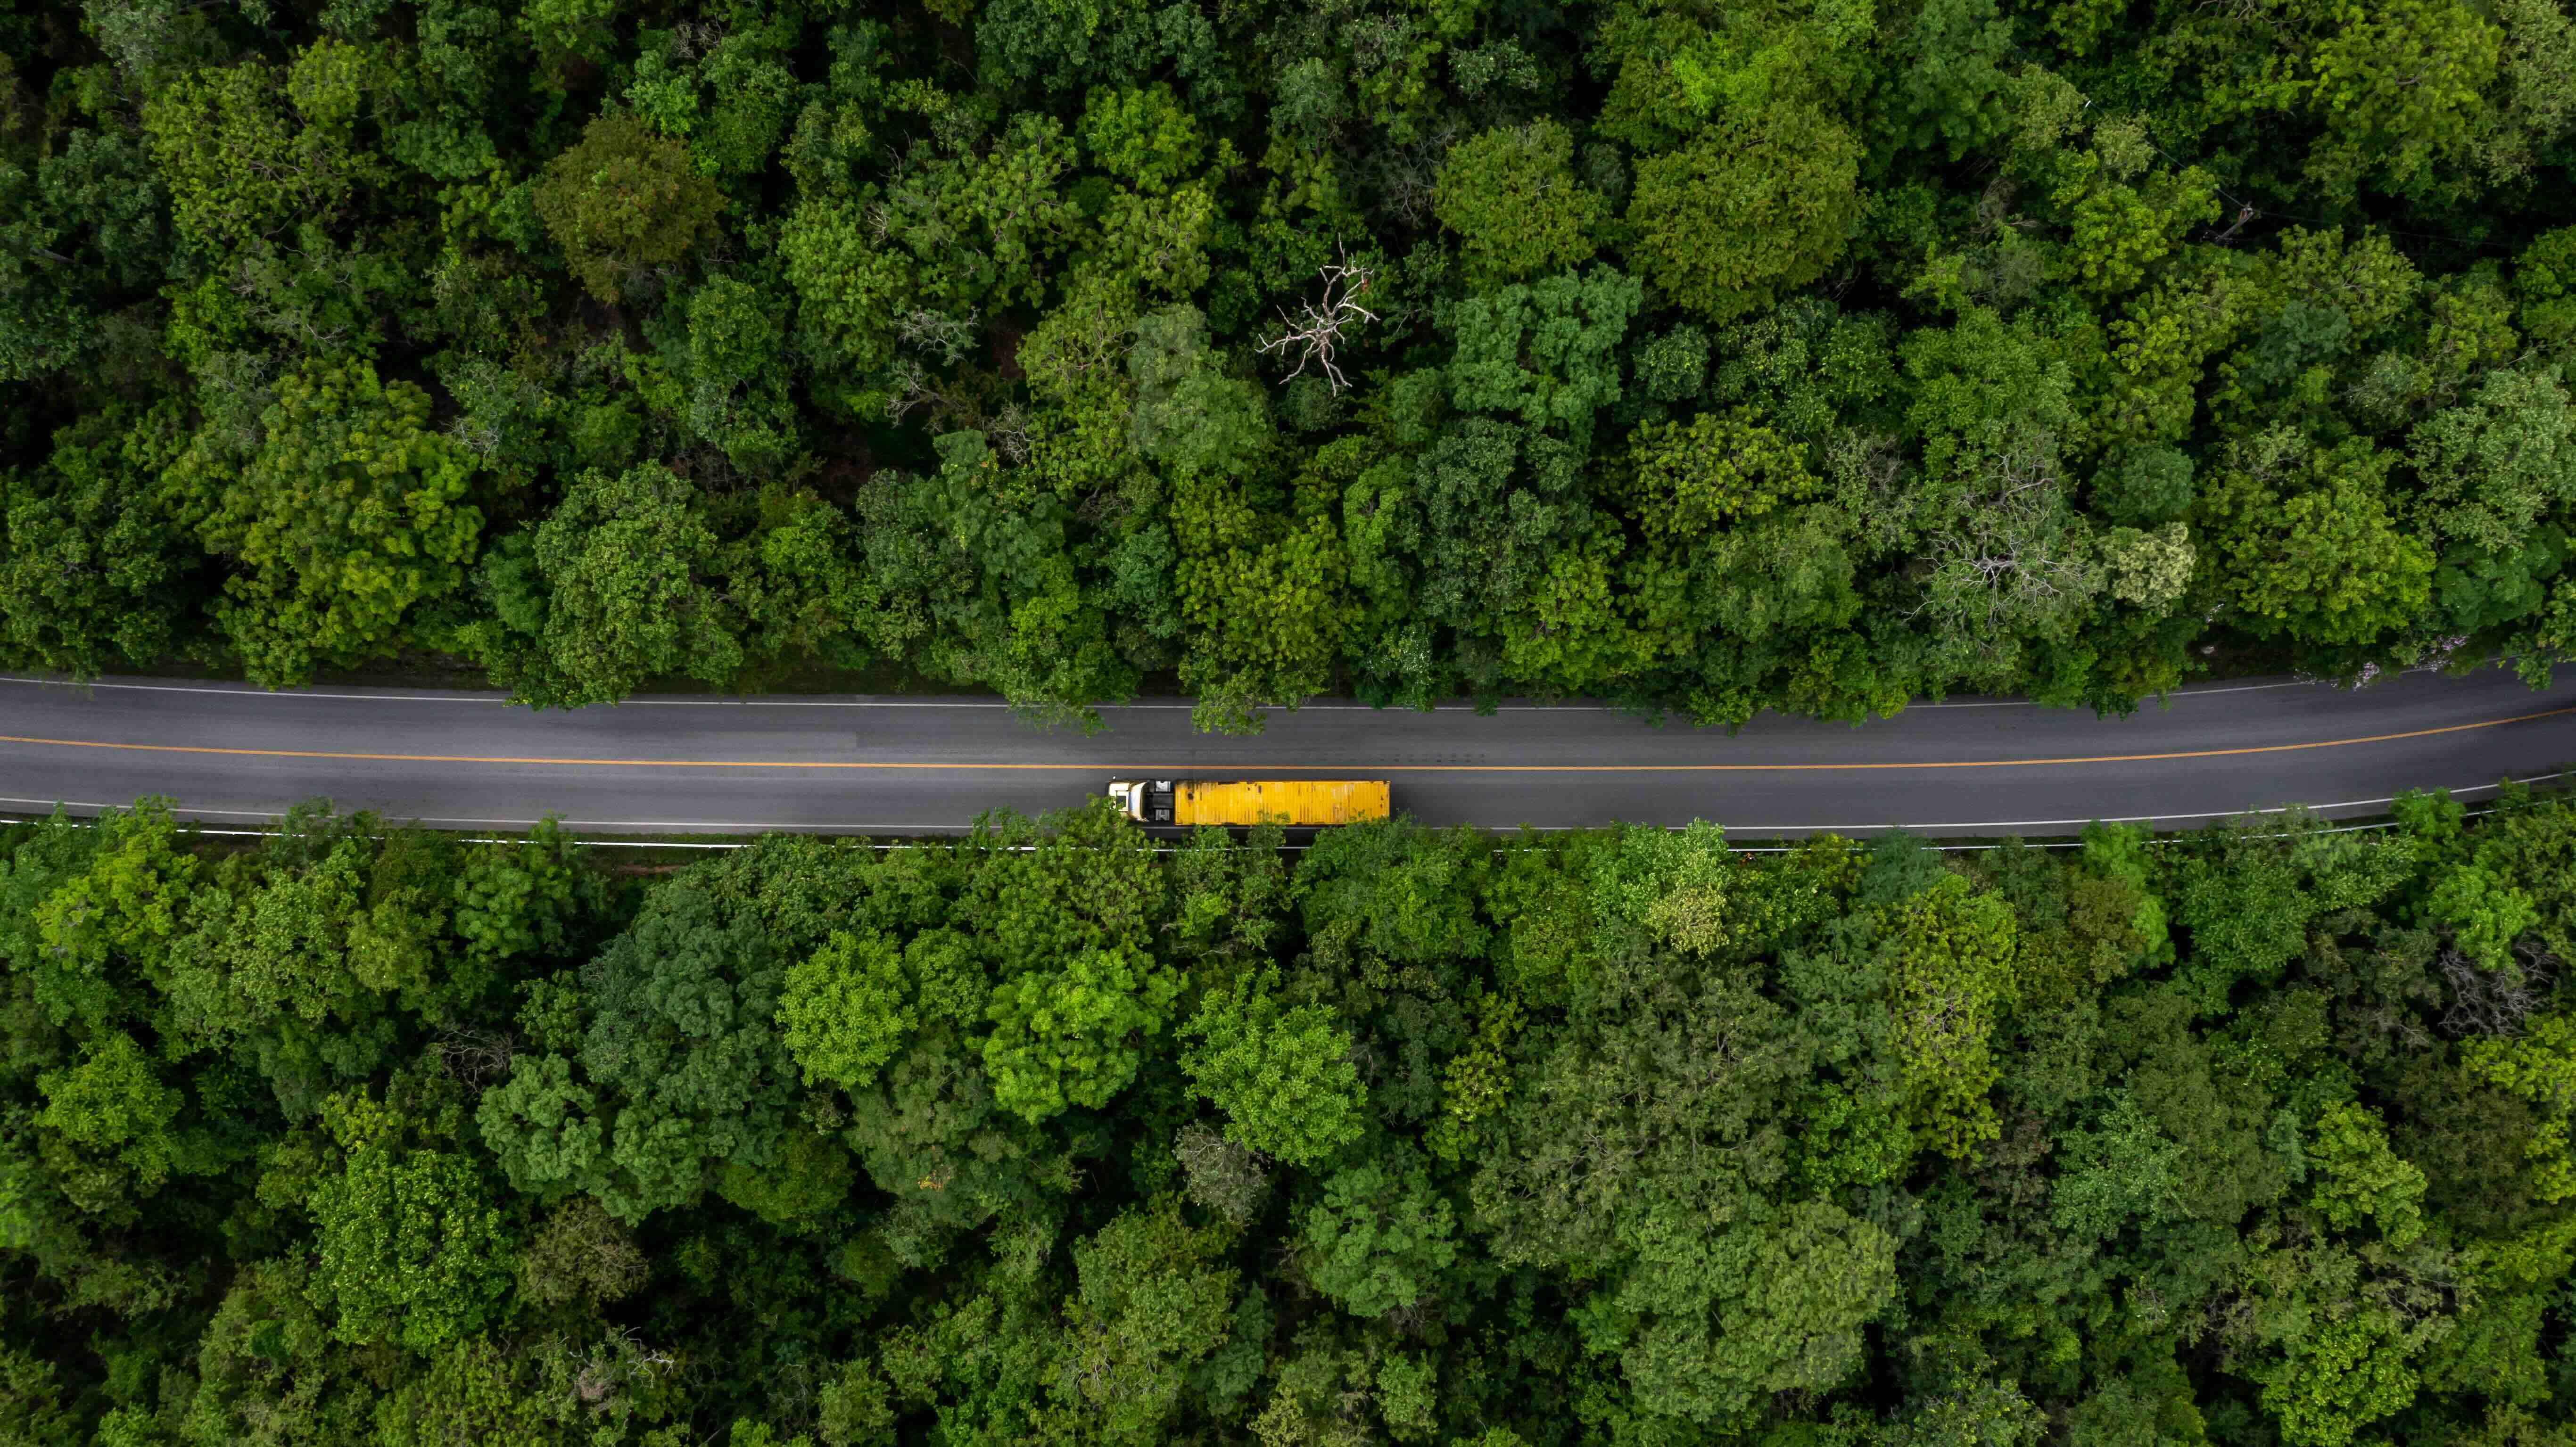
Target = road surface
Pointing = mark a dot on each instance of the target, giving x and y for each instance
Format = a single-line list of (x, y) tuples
[(914, 765)]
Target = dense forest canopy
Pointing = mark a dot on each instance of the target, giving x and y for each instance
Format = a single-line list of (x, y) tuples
[(1812, 354), (1049, 1137)]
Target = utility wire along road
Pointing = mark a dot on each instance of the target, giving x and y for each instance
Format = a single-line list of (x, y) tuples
[(922, 765)]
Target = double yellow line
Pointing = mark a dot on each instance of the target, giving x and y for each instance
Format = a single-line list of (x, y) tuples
[(1169, 769)]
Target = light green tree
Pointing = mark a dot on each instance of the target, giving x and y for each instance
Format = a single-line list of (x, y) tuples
[(107, 1125), (1071, 1036), (239, 162), (843, 1010), (2306, 547), (1282, 1074), (1953, 978), (349, 518), (2540, 1067), (1713, 472), (1752, 209), (1511, 195), (109, 926), (2359, 1178), (410, 1247), (2344, 1375), (2484, 911), (1143, 135), (2401, 89), (2151, 568), (2490, 468)]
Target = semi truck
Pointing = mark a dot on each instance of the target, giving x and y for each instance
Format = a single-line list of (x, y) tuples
[(1304, 802)]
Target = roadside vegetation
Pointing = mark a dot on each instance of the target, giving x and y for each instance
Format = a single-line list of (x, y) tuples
[(1710, 358), (1050, 1135)]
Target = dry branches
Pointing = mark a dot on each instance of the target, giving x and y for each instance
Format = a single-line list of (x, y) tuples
[(1317, 328)]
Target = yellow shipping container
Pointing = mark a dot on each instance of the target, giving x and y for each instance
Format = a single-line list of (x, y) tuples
[(1290, 801), (1287, 801)]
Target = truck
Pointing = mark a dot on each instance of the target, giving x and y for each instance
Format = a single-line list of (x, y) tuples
[(1300, 802)]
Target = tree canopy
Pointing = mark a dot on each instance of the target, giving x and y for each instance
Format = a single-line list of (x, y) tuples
[(1705, 360), (355, 1134)]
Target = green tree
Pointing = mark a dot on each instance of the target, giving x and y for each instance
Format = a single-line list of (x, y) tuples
[(347, 522), (1379, 1238), (94, 573), (44, 323), (2119, 1172), (303, 969), (525, 899), (34, 1401), (625, 575), (1070, 1036), (107, 925), (2122, 227), (624, 199), (1754, 208), (1189, 413), (410, 1248), (2306, 546), (1282, 1074), (1264, 601), (1152, 1303), (580, 1253), (1511, 195), (738, 367), (679, 1070), (1706, 1325), (1547, 352), (848, 286)]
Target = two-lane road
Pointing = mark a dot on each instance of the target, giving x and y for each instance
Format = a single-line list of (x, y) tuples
[(911, 765)]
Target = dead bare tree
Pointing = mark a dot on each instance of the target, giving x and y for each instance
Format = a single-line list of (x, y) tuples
[(936, 332), (1317, 328), (476, 1057), (2494, 1000)]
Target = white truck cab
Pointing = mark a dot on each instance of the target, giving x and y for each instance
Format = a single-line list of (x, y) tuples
[(1143, 800)]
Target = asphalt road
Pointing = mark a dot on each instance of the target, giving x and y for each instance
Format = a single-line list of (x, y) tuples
[(888, 766)]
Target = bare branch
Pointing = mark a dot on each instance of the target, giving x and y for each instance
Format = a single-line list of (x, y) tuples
[(1317, 329)]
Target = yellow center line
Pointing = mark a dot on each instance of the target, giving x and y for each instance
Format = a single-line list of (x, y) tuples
[(1171, 769)]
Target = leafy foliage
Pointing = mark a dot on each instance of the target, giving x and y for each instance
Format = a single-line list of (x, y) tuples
[(1049, 349), (1282, 1077), (2256, 1135), (623, 199), (349, 516)]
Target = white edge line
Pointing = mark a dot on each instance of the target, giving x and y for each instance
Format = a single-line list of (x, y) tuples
[(1167, 849), (1755, 830), (221, 690)]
